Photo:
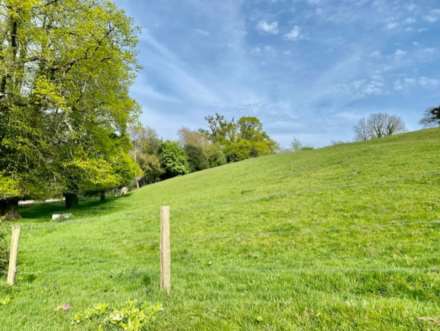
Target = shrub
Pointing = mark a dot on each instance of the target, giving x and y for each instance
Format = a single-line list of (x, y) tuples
[(130, 317), (173, 159), (196, 158), (215, 155), (237, 151), (150, 165)]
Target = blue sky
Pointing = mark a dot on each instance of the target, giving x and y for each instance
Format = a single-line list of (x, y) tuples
[(307, 68)]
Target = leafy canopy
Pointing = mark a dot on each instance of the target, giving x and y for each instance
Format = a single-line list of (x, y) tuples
[(65, 70)]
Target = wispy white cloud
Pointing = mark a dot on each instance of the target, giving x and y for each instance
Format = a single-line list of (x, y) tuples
[(392, 25), (432, 16), (268, 27), (399, 53), (179, 77), (294, 34), (422, 82), (202, 32)]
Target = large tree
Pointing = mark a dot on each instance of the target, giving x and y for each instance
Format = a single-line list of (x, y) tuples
[(65, 70), (378, 125), (220, 130)]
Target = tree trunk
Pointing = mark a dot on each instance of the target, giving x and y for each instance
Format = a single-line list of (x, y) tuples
[(71, 200), (102, 196), (9, 209)]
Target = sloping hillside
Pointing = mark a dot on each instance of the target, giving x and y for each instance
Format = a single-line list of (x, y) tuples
[(342, 238)]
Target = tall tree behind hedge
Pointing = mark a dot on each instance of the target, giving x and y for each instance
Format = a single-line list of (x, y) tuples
[(201, 152), (65, 70), (240, 139)]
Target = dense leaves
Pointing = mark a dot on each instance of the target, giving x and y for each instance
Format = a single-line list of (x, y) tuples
[(145, 151), (173, 159), (240, 140), (224, 141), (65, 70)]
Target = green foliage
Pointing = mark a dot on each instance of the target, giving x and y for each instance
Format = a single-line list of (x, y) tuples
[(238, 151), (145, 151), (215, 155), (173, 159), (9, 187), (250, 128), (240, 140), (130, 317), (150, 165), (201, 152), (125, 168), (90, 175), (64, 77), (243, 149), (223, 142), (220, 130), (197, 158)]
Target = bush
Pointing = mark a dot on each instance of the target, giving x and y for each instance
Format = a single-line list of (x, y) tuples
[(215, 155), (173, 160), (196, 158), (150, 165)]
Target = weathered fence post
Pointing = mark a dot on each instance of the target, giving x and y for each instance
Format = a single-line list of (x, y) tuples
[(165, 250), (12, 270)]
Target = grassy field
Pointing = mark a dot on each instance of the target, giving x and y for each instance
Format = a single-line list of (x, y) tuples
[(341, 238)]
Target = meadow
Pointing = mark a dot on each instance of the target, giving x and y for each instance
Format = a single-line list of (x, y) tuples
[(341, 238)]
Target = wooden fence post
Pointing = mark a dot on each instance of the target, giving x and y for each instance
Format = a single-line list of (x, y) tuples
[(12, 270), (165, 250)]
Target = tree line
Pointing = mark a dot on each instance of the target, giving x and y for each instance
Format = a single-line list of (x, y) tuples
[(68, 126), (67, 122), (223, 141)]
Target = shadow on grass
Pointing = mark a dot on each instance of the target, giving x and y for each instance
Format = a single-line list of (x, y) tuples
[(42, 212)]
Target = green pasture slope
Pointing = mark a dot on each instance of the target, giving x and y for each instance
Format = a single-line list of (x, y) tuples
[(341, 238)]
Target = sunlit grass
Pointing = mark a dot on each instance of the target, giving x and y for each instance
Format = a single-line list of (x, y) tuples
[(342, 238)]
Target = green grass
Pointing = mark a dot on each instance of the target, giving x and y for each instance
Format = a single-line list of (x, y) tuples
[(341, 238)]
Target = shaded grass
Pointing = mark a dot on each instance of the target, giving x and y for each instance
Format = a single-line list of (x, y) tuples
[(342, 238)]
